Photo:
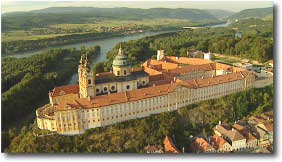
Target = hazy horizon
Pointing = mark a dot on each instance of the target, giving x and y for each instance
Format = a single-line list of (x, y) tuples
[(234, 6)]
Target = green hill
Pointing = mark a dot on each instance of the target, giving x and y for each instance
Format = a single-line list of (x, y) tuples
[(220, 14), (81, 15), (253, 13)]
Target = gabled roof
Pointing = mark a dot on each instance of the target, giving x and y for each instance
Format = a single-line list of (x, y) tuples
[(63, 90), (218, 141), (244, 131), (226, 130), (268, 126), (201, 145), (169, 146)]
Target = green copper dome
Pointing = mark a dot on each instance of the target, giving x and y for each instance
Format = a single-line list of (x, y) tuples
[(121, 59)]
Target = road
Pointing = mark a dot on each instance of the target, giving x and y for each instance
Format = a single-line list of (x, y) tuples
[(263, 79)]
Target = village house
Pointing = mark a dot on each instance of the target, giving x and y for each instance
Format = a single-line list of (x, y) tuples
[(237, 141), (200, 145), (220, 144), (251, 141)]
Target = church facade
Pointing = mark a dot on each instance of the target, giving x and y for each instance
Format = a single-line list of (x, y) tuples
[(126, 93)]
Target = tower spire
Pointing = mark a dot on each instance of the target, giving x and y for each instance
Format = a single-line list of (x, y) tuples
[(81, 60), (120, 51)]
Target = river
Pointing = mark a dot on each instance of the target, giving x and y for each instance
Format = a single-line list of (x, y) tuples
[(106, 45)]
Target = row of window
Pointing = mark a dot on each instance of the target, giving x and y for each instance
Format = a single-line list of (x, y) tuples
[(119, 72), (113, 88)]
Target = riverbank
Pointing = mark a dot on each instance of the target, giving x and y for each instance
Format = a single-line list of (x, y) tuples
[(57, 42), (61, 41)]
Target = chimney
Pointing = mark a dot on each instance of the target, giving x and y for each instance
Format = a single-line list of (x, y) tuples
[(176, 58), (219, 122)]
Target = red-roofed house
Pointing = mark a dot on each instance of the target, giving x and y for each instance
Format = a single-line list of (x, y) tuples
[(169, 146), (201, 145)]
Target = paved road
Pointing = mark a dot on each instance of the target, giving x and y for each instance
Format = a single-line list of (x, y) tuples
[(263, 79)]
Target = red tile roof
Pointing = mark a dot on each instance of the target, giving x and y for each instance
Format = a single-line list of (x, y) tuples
[(244, 131), (169, 146), (63, 90), (217, 141), (160, 88), (186, 60), (201, 145)]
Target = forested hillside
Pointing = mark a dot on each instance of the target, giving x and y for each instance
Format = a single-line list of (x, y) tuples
[(81, 15), (26, 81), (253, 13)]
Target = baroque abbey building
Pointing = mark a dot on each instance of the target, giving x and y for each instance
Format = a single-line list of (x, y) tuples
[(127, 92)]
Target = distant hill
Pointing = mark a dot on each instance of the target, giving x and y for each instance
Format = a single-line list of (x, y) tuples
[(220, 14), (72, 15), (253, 13)]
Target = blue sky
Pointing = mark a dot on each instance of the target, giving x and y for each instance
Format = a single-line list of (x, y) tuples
[(16, 5)]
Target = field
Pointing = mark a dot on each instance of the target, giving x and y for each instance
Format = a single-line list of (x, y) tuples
[(52, 31)]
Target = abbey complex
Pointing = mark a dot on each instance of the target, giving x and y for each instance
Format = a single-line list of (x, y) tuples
[(127, 92)]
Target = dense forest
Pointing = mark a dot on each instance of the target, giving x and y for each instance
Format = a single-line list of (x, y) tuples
[(26, 81), (132, 136), (217, 40)]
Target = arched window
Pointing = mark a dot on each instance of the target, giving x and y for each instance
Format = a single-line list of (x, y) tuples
[(105, 89), (143, 82), (89, 81), (97, 90), (113, 87), (127, 87), (118, 73), (124, 72)]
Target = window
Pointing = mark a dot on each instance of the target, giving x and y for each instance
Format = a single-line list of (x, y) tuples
[(105, 89), (127, 87), (124, 72), (118, 73), (113, 87), (89, 81), (97, 90), (143, 82)]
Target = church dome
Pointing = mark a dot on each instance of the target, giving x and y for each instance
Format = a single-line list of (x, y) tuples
[(121, 59)]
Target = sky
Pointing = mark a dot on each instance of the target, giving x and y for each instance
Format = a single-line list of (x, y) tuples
[(235, 6)]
